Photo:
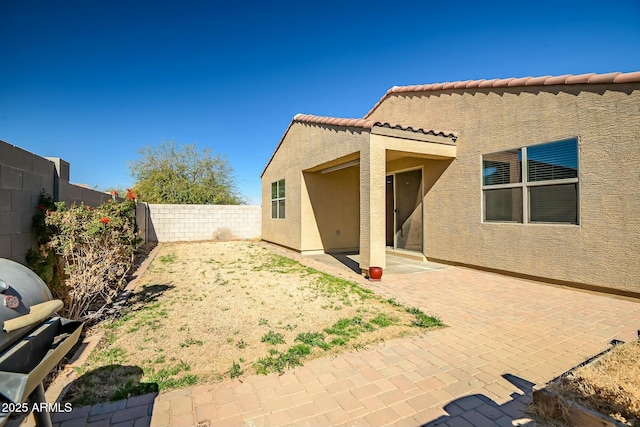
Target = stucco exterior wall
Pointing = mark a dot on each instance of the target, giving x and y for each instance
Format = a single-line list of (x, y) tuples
[(331, 210), (602, 249), (307, 148)]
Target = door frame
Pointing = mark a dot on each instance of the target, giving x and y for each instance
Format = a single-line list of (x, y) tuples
[(393, 188)]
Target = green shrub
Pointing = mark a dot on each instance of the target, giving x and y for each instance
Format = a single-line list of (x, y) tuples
[(84, 252)]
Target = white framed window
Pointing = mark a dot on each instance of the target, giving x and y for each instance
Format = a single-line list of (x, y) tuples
[(277, 199), (534, 184)]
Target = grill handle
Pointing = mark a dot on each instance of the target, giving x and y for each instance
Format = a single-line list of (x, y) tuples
[(37, 313)]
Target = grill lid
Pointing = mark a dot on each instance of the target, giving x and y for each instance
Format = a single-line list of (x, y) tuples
[(22, 294)]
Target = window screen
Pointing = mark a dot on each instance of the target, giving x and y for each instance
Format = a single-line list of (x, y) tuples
[(503, 205), (549, 187), (554, 203)]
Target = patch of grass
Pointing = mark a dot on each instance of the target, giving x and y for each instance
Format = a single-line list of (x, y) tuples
[(147, 317), (340, 288), (313, 339), (169, 377), (111, 356), (422, 320), (349, 328), (235, 370), (131, 388), (103, 383), (278, 264), (339, 341), (241, 344), (119, 322), (383, 320), (393, 302), (111, 338), (168, 259), (273, 338), (278, 362)]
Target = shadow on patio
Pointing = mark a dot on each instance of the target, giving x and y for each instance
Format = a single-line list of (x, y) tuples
[(395, 264), (480, 410)]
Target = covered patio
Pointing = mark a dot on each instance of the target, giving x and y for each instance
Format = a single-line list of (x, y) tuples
[(395, 264), (371, 200)]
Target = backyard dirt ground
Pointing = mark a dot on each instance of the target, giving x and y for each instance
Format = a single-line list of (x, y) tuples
[(610, 385), (207, 311)]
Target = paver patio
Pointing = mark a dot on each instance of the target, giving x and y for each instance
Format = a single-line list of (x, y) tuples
[(504, 335)]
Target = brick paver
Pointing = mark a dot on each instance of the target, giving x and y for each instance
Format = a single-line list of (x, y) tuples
[(504, 335)]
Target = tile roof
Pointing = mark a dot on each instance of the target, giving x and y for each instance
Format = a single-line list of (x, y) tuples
[(357, 123), (566, 79), (366, 124), (334, 121)]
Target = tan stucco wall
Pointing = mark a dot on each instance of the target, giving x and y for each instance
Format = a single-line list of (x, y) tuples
[(603, 249), (372, 204), (308, 148), (331, 210)]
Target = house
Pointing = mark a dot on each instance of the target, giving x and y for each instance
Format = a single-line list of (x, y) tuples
[(536, 176)]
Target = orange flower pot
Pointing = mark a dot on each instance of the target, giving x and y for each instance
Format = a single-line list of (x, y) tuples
[(375, 273)]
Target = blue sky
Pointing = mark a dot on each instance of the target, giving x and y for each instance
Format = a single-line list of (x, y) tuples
[(92, 81)]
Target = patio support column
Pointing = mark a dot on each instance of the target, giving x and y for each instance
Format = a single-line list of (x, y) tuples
[(372, 204)]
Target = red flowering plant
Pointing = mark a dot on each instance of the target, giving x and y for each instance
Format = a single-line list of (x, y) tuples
[(93, 250)]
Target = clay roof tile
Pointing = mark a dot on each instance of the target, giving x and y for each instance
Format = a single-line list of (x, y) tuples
[(503, 82), (518, 82), (603, 78), (461, 85), (487, 83), (556, 80), (536, 81), (474, 83), (627, 77), (566, 79), (579, 79)]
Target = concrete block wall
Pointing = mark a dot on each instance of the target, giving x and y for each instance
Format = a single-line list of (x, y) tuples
[(23, 177), (181, 223), (75, 194)]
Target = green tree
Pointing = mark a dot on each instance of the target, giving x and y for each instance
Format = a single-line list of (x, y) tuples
[(181, 174)]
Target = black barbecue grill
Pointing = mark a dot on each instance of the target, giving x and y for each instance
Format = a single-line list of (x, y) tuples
[(33, 340)]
